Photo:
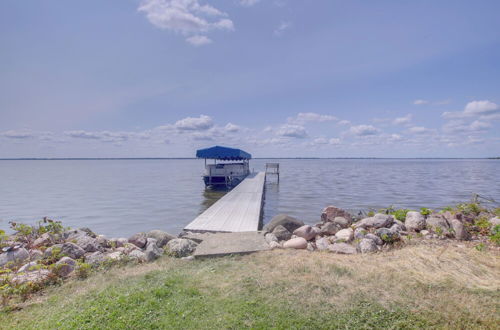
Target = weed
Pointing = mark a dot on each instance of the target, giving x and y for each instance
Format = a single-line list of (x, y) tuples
[(83, 270), (480, 247), (495, 235), (425, 211)]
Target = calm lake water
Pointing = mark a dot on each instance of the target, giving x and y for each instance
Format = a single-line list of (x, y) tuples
[(122, 197)]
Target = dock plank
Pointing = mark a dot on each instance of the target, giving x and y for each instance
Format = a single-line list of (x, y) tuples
[(237, 211)]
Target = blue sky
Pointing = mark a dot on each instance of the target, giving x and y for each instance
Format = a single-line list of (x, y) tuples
[(161, 78)]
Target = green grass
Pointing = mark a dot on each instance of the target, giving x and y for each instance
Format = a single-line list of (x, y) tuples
[(279, 289)]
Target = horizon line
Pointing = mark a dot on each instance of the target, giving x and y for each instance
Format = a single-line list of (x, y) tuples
[(179, 158)]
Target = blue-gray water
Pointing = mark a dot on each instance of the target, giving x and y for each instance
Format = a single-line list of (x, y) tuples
[(121, 197)]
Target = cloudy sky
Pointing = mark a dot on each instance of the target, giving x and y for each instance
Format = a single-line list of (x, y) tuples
[(323, 78)]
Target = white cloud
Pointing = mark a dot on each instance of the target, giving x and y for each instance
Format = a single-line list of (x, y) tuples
[(18, 134), (304, 117), (232, 127), (187, 17), (295, 131), (475, 108), (280, 30), (344, 122), (248, 3), (320, 140), (402, 120), (199, 40), (477, 125), (418, 130), (194, 123), (105, 136), (334, 141), (364, 130), (420, 102), (461, 126)]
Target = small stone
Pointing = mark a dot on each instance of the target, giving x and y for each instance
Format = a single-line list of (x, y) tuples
[(438, 224), (342, 248), (153, 252), (415, 221), (295, 243), (181, 247), (117, 255), (72, 250), (494, 222), (342, 222), (367, 245), (65, 266), (345, 234), (138, 240), (270, 237), (360, 233), (282, 233), (311, 246), (188, 258), (397, 228), (424, 232), (305, 232), (377, 221), (387, 235)]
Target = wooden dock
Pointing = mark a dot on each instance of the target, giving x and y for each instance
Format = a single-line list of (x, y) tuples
[(237, 211)]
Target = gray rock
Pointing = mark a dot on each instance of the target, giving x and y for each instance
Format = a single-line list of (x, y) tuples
[(65, 266), (331, 212), (270, 237), (360, 233), (311, 246), (438, 224), (290, 223), (72, 250), (181, 247), (138, 255), (138, 240), (120, 242), (342, 248), (424, 232), (95, 258), (375, 238), (415, 221), (396, 227), (274, 245), (152, 251), (342, 222), (27, 267), (306, 232), (38, 276), (295, 243), (345, 234), (188, 258), (117, 255), (377, 221), (494, 222), (51, 250), (459, 230), (14, 256), (322, 243), (103, 242), (367, 245), (36, 254), (162, 237), (87, 243), (387, 235), (281, 233), (43, 240), (400, 224), (329, 228)]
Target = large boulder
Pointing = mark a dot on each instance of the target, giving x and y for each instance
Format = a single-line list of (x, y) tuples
[(342, 222), (161, 236), (360, 233), (181, 247), (52, 251), (103, 242), (270, 237), (415, 221), (296, 243), (459, 230), (438, 224), (95, 258), (282, 233), (138, 240), (138, 255), (345, 235), (322, 243), (342, 248), (65, 266), (331, 212), (367, 245), (14, 256), (387, 235), (306, 232), (44, 240), (375, 238), (72, 250), (89, 244), (35, 277), (494, 222), (379, 220), (152, 250), (290, 223)]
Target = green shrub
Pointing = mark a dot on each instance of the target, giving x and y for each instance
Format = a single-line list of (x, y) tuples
[(83, 270), (495, 235), (425, 211), (483, 225), (470, 208)]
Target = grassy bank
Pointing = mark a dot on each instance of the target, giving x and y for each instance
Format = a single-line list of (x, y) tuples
[(451, 286)]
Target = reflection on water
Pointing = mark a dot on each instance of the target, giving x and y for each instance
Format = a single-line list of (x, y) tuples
[(122, 197)]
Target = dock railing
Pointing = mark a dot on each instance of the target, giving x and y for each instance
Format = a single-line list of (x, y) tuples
[(273, 168)]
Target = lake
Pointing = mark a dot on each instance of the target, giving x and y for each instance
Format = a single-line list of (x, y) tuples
[(122, 197)]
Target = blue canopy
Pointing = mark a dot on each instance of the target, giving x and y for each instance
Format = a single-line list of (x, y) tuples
[(223, 153)]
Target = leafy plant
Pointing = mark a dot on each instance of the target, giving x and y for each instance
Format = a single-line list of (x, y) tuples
[(425, 211), (480, 247), (483, 225), (400, 214), (83, 270), (495, 235), (470, 208)]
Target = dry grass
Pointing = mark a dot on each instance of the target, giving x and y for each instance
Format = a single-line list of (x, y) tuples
[(456, 284)]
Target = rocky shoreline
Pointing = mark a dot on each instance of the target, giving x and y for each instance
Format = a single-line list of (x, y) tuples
[(47, 253)]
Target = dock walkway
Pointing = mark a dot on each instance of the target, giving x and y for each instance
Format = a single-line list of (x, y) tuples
[(237, 211)]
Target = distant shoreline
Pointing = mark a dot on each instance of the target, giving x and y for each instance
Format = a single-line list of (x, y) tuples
[(298, 158)]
